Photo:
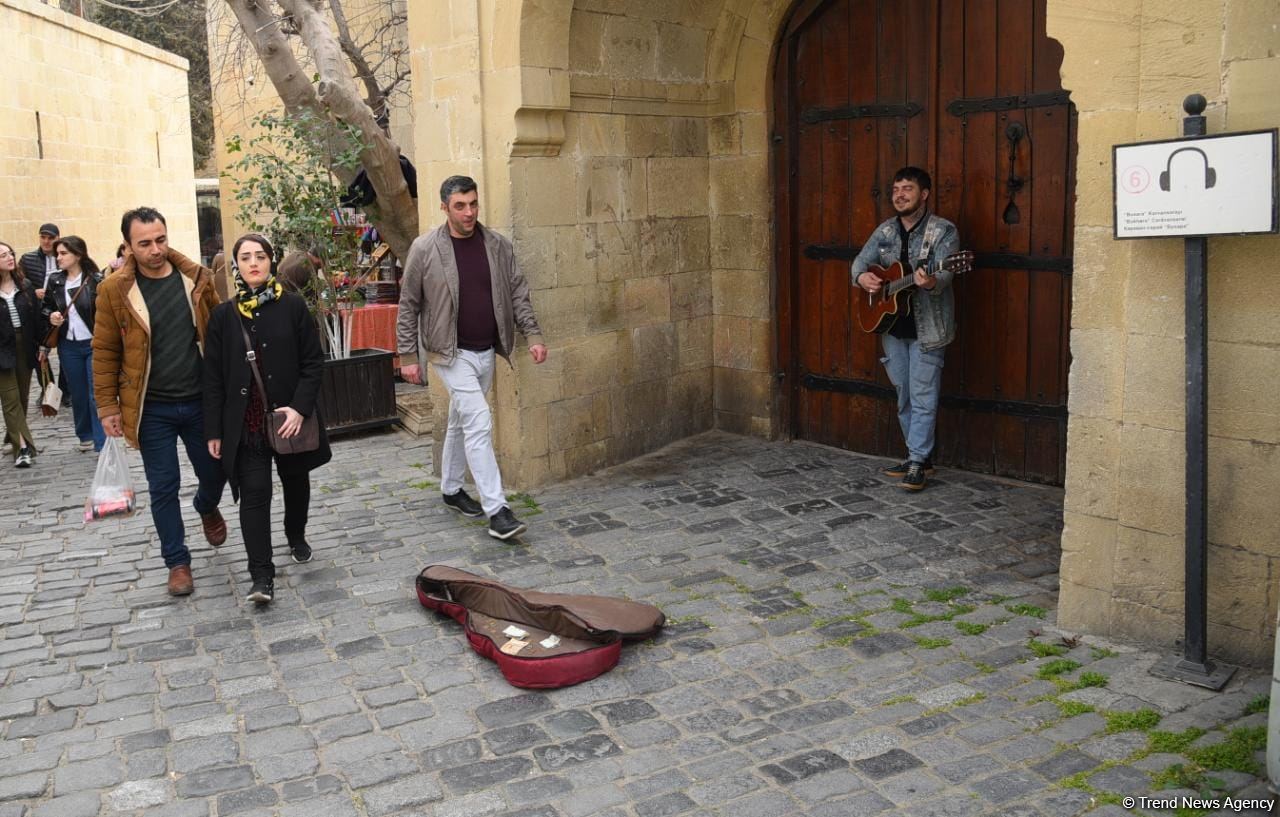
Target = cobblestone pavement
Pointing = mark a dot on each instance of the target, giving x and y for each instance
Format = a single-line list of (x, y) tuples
[(836, 647)]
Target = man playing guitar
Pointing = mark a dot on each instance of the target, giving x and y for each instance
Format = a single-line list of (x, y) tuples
[(915, 345)]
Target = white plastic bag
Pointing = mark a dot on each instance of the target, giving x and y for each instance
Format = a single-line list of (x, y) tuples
[(111, 493)]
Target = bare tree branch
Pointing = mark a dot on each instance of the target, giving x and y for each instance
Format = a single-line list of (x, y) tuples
[(334, 97), (373, 94), (395, 213)]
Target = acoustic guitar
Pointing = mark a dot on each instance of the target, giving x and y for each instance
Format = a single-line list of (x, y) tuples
[(878, 311)]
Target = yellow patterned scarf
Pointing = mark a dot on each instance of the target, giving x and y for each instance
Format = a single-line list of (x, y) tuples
[(247, 300)]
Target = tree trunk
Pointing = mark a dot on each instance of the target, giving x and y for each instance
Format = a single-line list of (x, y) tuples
[(395, 213)]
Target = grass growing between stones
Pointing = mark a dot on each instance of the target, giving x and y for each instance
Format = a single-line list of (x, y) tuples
[(1053, 669), (1235, 753), (1172, 743), (946, 595), (1142, 720), (1080, 781), (907, 607), (1086, 680), (1262, 703), (423, 484), (1026, 610), (971, 628), (529, 505), (1043, 650), (1072, 708), (932, 643)]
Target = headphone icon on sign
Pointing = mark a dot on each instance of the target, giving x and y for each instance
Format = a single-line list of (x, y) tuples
[(1210, 175)]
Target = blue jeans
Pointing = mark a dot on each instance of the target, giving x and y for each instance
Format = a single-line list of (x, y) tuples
[(76, 359), (917, 375), (161, 426)]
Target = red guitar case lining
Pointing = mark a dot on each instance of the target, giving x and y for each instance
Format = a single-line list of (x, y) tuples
[(591, 629)]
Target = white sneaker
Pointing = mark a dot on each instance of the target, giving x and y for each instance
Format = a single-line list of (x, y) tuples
[(23, 460), (86, 445)]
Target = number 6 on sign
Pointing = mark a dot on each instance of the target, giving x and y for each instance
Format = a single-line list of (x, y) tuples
[(1136, 179)]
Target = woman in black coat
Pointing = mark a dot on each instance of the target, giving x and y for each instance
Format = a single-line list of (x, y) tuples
[(19, 342), (287, 347), (70, 303)]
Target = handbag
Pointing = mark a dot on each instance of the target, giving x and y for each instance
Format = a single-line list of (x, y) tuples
[(50, 394), (307, 438)]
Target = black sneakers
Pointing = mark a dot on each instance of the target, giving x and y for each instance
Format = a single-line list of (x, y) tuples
[(503, 525), (300, 553), (464, 504), (23, 460), (914, 479), (900, 470), (261, 592)]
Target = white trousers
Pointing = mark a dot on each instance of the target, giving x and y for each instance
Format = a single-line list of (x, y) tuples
[(468, 441)]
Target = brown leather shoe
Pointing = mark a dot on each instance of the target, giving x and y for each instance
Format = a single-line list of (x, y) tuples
[(180, 583), (215, 527)]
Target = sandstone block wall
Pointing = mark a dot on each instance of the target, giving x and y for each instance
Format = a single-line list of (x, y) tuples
[(114, 131), (1129, 66), (623, 146)]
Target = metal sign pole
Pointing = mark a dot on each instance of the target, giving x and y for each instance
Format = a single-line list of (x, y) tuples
[(1194, 667)]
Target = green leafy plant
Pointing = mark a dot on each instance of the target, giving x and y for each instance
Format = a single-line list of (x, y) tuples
[(287, 192)]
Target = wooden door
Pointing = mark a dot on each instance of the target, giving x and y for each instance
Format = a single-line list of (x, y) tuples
[(968, 90)]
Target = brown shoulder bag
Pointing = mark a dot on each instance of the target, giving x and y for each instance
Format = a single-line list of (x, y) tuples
[(307, 438)]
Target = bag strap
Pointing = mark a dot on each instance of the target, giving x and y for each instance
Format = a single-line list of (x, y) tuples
[(252, 357)]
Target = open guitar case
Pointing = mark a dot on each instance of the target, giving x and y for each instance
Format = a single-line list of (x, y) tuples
[(567, 639)]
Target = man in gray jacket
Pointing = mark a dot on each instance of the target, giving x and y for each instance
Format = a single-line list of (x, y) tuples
[(916, 344), (464, 296)]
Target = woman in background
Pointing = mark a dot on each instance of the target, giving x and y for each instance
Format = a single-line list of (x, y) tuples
[(19, 320), (278, 327), (70, 298)]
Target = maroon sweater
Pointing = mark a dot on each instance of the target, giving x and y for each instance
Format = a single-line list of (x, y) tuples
[(477, 324)]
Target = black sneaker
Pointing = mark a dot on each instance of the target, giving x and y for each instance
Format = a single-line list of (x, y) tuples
[(914, 479), (900, 470), (464, 504), (23, 460), (503, 525), (261, 592), (300, 553)]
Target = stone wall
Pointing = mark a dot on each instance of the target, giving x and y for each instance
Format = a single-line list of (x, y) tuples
[(1129, 66), (113, 132), (623, 147)]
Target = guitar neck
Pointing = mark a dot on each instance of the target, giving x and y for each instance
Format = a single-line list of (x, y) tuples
[(904, 283)]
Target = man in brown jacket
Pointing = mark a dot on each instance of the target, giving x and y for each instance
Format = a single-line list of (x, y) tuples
[(148, 343), (463, 294)]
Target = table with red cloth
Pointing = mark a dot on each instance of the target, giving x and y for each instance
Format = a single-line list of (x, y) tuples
[(374, 327)]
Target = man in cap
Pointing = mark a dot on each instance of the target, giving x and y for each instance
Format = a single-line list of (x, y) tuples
[(36, 266)]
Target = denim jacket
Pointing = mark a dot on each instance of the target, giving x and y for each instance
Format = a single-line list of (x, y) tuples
[(934, 309)]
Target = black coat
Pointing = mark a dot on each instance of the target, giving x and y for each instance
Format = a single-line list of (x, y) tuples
[(29, 314), (55, 300), (33, 267), (290, 360)]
